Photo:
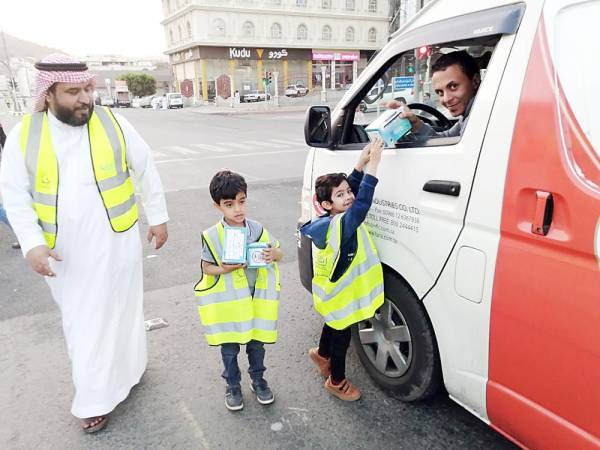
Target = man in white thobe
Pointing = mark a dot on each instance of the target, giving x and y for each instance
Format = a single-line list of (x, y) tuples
[(94, 273)]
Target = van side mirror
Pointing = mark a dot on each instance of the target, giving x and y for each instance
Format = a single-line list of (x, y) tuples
[(317, 128)]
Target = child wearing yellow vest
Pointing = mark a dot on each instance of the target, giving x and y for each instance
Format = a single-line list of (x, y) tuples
[(347, 285), (238, 305)]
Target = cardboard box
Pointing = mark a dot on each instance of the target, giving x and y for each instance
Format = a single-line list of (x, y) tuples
[(389, 127)]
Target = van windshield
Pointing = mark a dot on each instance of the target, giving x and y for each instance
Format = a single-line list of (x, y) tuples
[(436, 83)]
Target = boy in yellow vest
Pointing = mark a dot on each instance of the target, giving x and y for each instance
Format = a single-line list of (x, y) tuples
[(237, 304), (347, 285)]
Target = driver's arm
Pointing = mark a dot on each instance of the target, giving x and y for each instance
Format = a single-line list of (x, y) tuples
[(420, 128)]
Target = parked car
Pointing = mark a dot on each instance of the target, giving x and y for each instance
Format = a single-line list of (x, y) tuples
[(174, 100), (256, 96), (490, 239), (296, 90), (375, 97), (142, 102), (107, 101)]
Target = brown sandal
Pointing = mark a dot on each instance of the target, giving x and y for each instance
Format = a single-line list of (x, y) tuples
[(100, 423)]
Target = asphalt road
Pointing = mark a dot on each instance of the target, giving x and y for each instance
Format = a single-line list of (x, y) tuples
[(179, 403)]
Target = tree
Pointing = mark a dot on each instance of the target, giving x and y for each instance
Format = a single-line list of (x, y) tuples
[(139, 84)]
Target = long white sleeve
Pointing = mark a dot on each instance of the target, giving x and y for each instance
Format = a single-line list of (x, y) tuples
[(145, 174), (18, 202)]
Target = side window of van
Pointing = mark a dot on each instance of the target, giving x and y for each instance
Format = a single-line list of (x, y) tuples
[(578, 64), (441, 102)]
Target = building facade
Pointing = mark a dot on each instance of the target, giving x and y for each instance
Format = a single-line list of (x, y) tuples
[(218, 46)]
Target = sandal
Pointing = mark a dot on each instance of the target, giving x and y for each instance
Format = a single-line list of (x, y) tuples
[(99, 423)]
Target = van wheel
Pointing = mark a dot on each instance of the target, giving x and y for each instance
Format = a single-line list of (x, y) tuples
[(397, 346)]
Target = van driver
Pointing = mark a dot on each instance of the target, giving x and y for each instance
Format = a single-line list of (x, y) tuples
[(455, 79)]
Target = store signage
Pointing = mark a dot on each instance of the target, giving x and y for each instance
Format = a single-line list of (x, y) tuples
[(326, 55), (278, 54), (239, 53)]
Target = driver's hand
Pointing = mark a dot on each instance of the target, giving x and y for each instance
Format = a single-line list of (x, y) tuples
[(412, 117)]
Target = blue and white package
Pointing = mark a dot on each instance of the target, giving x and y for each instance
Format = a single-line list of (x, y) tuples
[(234, 245), (255, 255), (389, 127)]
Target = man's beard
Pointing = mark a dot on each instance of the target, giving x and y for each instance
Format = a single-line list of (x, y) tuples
[(67, 115)]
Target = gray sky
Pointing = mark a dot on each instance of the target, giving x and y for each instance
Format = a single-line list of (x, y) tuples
[(127, 27)]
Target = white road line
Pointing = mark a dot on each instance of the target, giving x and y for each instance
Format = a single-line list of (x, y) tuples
[(289, 141), (238, 145), (212, 148), (156, 154), (236, 155), (182, 150), (269, 144)]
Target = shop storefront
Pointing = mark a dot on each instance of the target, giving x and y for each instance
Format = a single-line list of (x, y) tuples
[(223, 70)]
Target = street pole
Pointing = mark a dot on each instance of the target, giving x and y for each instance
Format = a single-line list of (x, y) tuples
[(275, 78), (324, 89), (10, 74)]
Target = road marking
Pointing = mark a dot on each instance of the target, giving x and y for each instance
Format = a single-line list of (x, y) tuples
[(212, 148), (269, 144), (235, 155), (195, 425), (238, 145), (158, 154), (289, 141), (182, 150)]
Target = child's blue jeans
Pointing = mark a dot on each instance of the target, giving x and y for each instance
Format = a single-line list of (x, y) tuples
[(256, 356)]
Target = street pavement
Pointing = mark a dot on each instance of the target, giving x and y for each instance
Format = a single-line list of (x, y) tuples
[(180, 401)]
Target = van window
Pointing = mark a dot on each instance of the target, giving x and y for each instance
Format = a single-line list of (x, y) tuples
[(407, 79), (578, 65)]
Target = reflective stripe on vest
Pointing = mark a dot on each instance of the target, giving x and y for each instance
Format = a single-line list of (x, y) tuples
[(359, 291), (228, 311), (107, 148)]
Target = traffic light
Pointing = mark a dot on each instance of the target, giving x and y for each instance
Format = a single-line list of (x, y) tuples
[(423, 52), (270, 77)]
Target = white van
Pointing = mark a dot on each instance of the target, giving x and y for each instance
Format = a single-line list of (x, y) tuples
[(174, 100), (490, 241)]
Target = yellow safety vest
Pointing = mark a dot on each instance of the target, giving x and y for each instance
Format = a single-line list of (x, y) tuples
[(228, 311), (107, 148), (357, 294)]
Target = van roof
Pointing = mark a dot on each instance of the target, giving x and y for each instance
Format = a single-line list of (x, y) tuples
[(437, 10)]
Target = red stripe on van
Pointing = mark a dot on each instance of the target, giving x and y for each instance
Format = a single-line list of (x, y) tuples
[(544, 369)]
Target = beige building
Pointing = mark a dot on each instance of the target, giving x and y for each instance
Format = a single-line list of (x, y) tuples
[(219, 46)]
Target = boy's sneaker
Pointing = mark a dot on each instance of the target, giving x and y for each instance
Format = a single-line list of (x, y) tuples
[(263, 392), (322, 363), (233, 398), (344, 391)]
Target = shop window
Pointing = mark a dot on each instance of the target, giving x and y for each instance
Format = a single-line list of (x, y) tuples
[(219, 27), (302, 33), (350, 5), (326, 35), (372, 35), (188, 27), (276, 31), (372, 5), (349, 34), (326, 4), (301, 3), (248, 29)]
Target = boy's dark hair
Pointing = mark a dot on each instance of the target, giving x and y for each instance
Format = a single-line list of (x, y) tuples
[(226, 185), (466, 62), (325, 185)]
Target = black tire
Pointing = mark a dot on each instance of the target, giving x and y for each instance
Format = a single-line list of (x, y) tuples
[(423, 376)]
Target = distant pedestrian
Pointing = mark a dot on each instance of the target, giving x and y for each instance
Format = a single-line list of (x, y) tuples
[(347, 285), (81, 234), (237, 304), (237, 97)]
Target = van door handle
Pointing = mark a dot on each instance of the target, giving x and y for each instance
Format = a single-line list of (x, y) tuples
[(544, 210), (443, 187)]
